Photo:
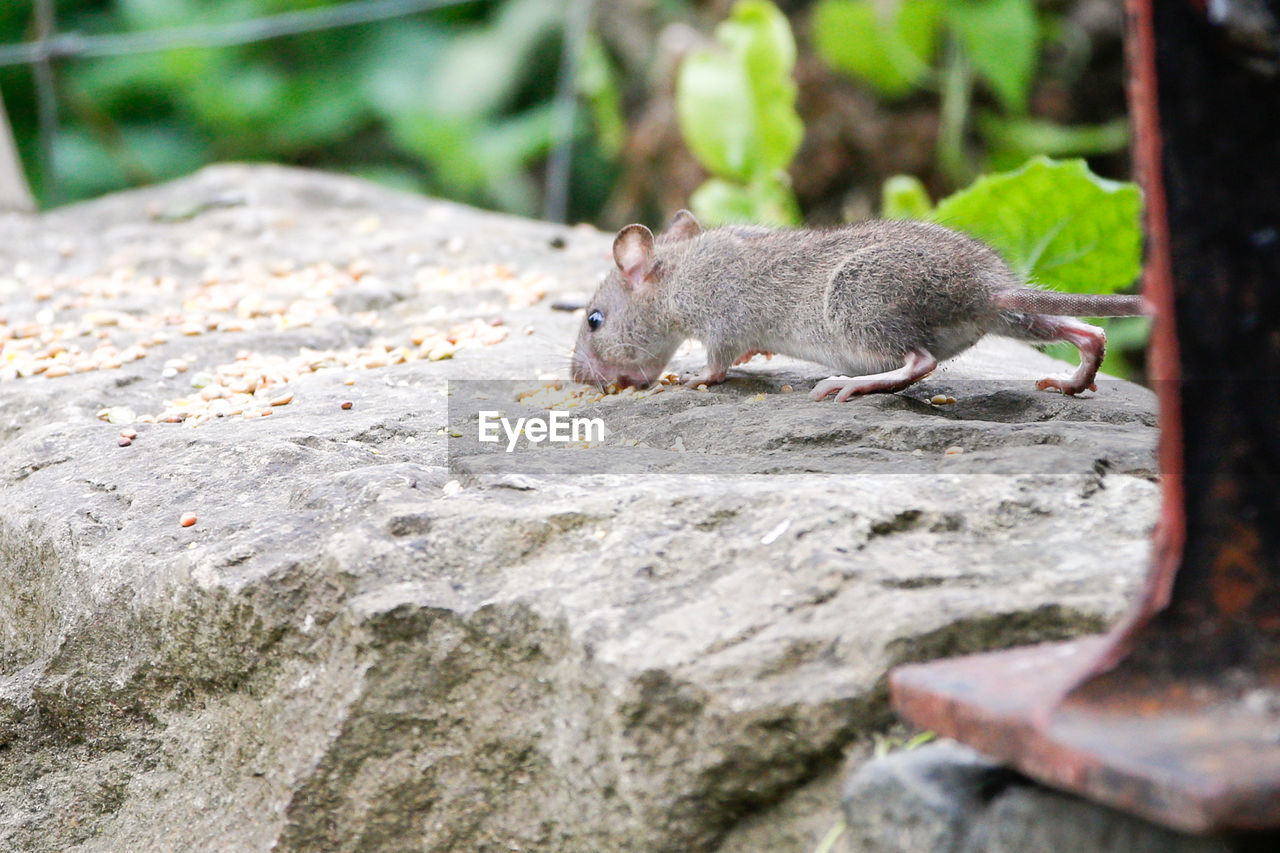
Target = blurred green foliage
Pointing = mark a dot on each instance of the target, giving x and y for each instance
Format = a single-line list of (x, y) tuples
[(736, 105), (1056, 223), (900, 47), (456, 102)]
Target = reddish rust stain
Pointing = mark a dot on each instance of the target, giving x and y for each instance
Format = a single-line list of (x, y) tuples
[(1237, 575)]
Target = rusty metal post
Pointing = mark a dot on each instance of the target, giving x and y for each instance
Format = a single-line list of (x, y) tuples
[(1175, 715)]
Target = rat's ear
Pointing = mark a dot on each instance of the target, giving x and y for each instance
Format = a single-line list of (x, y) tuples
[(683, 226), (633, 253)]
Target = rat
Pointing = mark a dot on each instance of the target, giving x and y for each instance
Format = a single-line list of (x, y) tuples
[(880, 301)]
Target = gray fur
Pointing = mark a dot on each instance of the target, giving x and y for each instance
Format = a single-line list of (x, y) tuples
[(856, 298)]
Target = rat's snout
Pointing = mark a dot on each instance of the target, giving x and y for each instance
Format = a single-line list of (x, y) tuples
[(625, 380), (588, 369)]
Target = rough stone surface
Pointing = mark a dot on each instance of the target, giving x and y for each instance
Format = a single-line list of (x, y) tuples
[(945, 798), (922, 799), (626, 647)]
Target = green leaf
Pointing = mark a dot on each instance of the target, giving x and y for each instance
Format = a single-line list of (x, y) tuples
[(1056, 223), (904, 197), (1001, 40), (736, 104), (759, 32), (769, 202), (888, 46), (1013, 140)]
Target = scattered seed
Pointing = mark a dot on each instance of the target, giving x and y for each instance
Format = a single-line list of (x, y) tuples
[(282, 400), (124, 442), (129, 434), (347, 404), (953, 451), (787, 389), (119, 415), (188, 519)]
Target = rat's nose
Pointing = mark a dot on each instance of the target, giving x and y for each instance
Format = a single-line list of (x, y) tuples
[(625, 381)]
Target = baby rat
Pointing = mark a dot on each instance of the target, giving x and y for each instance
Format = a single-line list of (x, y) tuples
[(881, 301)]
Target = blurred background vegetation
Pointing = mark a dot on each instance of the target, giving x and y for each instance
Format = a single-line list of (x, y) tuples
[(461, 102)]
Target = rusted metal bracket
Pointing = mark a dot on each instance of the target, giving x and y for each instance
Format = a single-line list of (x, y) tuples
[(1175, 715)]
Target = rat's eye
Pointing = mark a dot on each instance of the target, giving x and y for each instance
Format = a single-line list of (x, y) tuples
[(594, 319)]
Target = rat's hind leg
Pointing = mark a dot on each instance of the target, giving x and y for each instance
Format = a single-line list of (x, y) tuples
[(916, 365), (1044, 328)]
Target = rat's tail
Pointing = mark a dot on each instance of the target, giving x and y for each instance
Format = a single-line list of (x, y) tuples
[(1029, 300)]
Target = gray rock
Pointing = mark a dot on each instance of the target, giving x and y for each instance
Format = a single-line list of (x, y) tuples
[(921, 799), (1028, 817), (945, 798), (625, 647)]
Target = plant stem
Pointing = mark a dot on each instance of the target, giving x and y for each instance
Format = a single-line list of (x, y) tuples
[(957, 97)]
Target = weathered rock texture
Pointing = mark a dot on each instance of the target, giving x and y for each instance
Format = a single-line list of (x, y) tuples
[(945, 798), (619, 648)]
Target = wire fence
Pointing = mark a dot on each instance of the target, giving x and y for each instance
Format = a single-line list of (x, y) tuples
[(51, 47)]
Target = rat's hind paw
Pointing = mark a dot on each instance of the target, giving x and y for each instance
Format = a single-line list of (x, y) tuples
[(1069, 387), (843, 387), (916, 365)]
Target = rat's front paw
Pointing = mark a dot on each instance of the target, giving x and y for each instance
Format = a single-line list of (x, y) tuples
[(708, 376)]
